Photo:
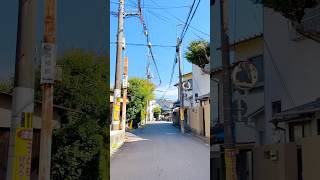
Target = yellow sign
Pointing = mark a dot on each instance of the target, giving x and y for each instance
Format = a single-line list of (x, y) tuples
[(230, 160), (116, 112), (181, 114), (23, 148)]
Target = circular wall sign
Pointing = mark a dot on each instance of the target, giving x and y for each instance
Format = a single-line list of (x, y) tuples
[(186, 85), (245, 75)]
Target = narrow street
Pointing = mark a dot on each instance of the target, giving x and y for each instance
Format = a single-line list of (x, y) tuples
[(160, 152)]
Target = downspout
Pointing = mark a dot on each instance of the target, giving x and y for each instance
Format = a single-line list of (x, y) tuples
[(282, 129)]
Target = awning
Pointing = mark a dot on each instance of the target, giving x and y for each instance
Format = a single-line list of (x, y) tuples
[(303, 112), (203, 97)]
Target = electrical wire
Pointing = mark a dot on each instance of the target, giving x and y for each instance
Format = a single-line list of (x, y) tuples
[(146, 33), (154, 45), (160, 8), (171, 79), (189, 14), (274, 64), (179, 20), (190, 20)]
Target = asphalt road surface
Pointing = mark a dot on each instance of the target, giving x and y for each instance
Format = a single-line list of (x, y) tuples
[(161, 152)]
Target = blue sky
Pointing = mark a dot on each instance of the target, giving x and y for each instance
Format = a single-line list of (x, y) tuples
[(161, 18)]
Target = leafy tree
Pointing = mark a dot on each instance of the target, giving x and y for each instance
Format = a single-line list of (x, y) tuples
[(291, 9), (80, 145), (6, 86), (198, 53), (141, 91), (80, 148)]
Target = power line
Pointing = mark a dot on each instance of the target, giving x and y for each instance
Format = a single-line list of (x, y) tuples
[(274, 63), (154, 45), (166, 19), (160, 8), (178, 19), (172, 7), (185, 24), (171, 78), (146, 33), (190, 20)]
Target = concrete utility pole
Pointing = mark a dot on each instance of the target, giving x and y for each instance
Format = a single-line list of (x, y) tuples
[(48, 66), (149, 77), (23, 92), (117, 89), (178, 50), (125, 86), (230, 151)]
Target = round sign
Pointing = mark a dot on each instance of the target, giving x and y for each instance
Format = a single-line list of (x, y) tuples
[(245, 75), (186, 85)]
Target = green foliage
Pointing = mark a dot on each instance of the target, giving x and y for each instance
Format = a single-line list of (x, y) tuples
[(79, 149), (198, 53), (291, 9), (140, 91), (84, 84), (157, 111), (6, 86)]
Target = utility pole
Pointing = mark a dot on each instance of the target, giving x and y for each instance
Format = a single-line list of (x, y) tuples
[(178, 50), (230, 151), (117, 89), (149, 77), (125, 86), (48, 67), (23, 93)]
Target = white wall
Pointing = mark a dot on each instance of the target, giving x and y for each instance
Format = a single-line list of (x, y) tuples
[(298, 64), (200, 83)]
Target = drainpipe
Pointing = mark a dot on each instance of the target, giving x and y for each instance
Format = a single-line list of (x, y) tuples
[(282, 129)]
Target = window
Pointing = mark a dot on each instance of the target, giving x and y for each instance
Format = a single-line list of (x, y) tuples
[(297, 131), (258, 62), (276, 107)]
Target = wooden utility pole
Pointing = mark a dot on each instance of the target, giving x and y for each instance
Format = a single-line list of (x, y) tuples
[(230, 151), (125, 86), (178, 50), (48, 65), (19, 155), (117, 89)]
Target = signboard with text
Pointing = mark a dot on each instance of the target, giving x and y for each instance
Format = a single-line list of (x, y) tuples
[(23, 148), (48, 63)]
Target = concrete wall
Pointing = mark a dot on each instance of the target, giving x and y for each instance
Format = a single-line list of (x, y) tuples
[(196, 117), (207, 118), (284, 168), (298, 64), (116, 139), (195, 120), (311, 158)]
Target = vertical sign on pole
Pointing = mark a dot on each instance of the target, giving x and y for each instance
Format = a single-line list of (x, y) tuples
[(23, 148), (124, 86), (48, 63)]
